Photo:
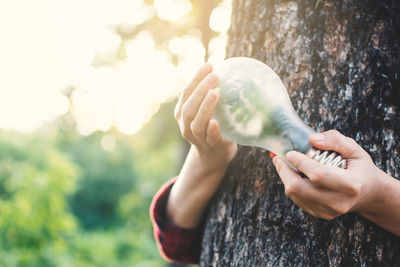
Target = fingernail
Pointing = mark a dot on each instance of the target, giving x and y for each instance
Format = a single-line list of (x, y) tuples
[(206, 67), (272, 155), (211, 96), (275, 160), (318, 137)]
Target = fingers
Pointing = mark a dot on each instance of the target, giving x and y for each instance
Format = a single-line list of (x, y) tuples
[(315, 200), (191, 106), (203, 116), (333, 140), (194, 101), (200, 75), (291, 179), (326, 176), (296, 188)]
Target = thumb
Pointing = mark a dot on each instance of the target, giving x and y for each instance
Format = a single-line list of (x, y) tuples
[(333, 140)]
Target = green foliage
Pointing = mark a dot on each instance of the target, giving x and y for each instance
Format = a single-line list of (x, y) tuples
[(35, 220), (121, 247), (65, 201), (106, 177)]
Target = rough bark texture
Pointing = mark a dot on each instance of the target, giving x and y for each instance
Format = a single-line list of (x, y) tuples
[(340, 61)]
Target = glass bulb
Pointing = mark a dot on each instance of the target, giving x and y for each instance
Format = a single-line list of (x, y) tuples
[(254, 109)]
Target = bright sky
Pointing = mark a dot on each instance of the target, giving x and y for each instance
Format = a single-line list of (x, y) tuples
[(49, 45)]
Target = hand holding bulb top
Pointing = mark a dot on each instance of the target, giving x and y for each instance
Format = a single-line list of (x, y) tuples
[(209, 155), (193, 113)]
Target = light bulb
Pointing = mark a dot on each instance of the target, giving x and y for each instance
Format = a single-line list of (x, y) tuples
[(254, 109)]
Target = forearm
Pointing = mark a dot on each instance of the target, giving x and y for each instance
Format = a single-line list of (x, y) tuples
[(386, 211), (195, 186)]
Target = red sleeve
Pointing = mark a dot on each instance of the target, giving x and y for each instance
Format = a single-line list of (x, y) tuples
[(174, 243)]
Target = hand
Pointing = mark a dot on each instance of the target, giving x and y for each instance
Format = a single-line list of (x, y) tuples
[(193, 113), (331, 191), (209, 156)]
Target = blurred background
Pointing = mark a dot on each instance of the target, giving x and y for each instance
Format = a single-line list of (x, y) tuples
[(87, 134)]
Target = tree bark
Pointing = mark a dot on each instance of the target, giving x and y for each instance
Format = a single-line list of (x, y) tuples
[(340, 62)]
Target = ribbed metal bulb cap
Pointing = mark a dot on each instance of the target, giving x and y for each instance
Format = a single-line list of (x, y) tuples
[(328, 158)]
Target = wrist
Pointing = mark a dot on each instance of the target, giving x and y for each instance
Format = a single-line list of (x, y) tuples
[(383, 211), (383, 194), (217, 158), (210, 162), (195, 186)]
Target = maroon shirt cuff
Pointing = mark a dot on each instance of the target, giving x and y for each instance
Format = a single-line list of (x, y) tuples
[(174, 243)]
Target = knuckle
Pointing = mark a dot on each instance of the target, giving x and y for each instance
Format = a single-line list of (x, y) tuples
[(177, 114), (211, 78), (292, 189), (367, 156), (341, 208), (178, 109), (210, 99), (296, 162), (355, 189), (185, 134), (318, 174), (361, 153), (210, 81), (196, 130), (334, 132), (353, 142), (186, 93), (335, 137), (186, 114), (213, 142)]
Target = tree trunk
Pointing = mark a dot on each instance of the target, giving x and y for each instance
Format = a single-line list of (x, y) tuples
[(340, 61)]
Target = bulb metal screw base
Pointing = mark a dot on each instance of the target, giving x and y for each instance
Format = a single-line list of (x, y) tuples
[(328, 158)]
